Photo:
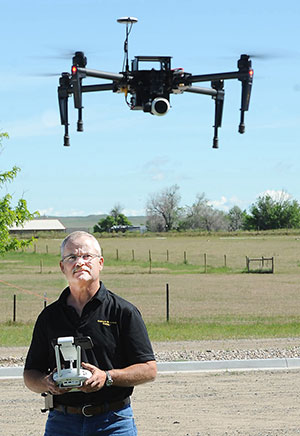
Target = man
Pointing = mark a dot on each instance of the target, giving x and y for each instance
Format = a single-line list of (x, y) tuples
[(121, 357)]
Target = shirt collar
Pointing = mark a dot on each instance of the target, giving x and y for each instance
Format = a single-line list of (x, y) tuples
[(100, 294)]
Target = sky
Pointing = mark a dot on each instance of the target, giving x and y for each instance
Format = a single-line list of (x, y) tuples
[(123, 156)]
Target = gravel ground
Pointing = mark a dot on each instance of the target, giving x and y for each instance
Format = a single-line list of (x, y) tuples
[(252, 403), (195, 350)]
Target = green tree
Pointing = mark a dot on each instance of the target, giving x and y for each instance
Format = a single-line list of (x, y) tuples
[(105, 224), (236, 218), (116, 221), (273, 213), (10, 215)]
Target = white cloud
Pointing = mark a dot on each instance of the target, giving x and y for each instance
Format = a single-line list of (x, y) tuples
[(41, 125), (226, 204), (279, 195), (52, 212), (157, 168), (134, 212)]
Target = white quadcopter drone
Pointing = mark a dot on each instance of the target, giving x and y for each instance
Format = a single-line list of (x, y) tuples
[(70, 347)]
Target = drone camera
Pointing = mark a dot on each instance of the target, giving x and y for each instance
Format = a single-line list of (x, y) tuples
[(160, 106)]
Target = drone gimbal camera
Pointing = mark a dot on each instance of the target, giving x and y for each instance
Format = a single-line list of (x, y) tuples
[(70, 348), (150, 89)]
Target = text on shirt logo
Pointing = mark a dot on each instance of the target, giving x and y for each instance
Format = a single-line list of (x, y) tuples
[(106, 322)]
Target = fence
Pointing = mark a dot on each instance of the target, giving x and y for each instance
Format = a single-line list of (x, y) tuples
[(15, 306), (264, 264)]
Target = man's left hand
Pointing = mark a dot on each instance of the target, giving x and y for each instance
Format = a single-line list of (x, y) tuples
[(96, 381)]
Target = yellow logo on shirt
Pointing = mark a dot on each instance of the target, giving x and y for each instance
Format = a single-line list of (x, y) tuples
[(106, 322)]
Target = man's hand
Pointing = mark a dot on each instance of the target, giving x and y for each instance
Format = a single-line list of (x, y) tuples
[(52, 387), (96, 381)]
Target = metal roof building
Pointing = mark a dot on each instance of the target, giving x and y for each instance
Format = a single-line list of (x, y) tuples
[(39, 225)]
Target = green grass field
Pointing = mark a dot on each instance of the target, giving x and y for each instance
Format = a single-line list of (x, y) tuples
[(207, 301)]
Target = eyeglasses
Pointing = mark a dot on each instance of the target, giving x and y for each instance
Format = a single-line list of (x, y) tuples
[(87, 257)]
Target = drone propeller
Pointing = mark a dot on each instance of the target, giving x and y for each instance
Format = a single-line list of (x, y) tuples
[(265, 56)]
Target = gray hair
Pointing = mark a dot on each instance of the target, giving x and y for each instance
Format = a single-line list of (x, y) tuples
[(75, 235)]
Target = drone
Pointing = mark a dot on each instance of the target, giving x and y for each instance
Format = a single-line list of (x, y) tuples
[(149, 90)]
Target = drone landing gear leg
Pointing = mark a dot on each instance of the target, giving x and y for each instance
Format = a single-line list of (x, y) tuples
[(80, 122), (66, 135), (244, 65), (63, 105), (66, 123), (246, 92), (219, 102)]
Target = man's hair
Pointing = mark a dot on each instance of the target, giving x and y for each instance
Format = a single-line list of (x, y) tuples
[(75, 235)]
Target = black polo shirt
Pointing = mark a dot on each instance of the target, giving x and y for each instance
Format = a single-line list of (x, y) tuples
[(116, 328)]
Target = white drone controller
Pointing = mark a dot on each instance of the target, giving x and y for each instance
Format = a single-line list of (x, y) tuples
[(72, 377)]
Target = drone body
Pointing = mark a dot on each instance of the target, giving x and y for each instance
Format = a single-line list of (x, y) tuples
[(150, 89)]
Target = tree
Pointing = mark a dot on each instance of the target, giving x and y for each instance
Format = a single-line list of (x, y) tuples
[(10, 215), (236, 218), (116, 221), (116, 211), (104, 225), (163, 209), (201, 215), (273, 213)]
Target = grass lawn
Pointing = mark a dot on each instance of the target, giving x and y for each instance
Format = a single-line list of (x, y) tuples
[(216, 300)]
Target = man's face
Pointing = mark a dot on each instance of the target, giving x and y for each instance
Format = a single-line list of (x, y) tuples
[(81, 261)]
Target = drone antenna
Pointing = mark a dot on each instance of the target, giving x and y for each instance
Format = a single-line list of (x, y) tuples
[(129, 21)]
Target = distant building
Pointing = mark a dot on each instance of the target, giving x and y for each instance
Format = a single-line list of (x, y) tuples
[(37, 226), (128, 228)]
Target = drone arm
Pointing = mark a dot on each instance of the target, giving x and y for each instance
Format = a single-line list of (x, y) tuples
[(214, 77), (100, 74), (199, 90), (100, 87)]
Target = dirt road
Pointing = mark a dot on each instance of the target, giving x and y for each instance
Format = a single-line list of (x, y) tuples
[(245, 403), (254, 403)]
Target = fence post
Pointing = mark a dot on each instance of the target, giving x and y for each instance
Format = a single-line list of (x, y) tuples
[(132, 251), (41, 266), (248, 263), (15, 308), (184, 257), (117, 254), (167, 302), (225, 260), (167, 255), (45, 299), (205, 263)]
